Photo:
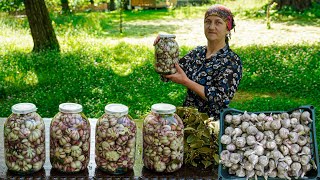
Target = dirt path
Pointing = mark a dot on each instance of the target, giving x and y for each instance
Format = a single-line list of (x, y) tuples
[(248, 32)]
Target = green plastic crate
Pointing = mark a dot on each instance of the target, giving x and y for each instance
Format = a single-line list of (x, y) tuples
[(313, 174)]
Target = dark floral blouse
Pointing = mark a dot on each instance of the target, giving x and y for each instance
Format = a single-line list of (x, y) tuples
[(220, 75)]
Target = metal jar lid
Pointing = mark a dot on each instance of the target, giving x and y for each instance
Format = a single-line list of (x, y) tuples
[(70, 108), (163, 108), (23, 108), (116, 109), (167, 36)]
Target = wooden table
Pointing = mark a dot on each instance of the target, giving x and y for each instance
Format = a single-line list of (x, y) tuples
[(139, 172)]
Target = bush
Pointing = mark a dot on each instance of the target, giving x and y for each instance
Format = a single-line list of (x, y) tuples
[(11, 5)]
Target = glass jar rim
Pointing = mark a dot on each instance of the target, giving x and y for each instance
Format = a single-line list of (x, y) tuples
[(23, 108), (167, 36), (70, 108), (163, 108), (116, 109)]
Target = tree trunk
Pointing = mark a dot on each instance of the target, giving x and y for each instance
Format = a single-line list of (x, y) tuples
[(125, 4), (44, 37), (282, 3), (92, 2), (112, 5), (65, 7), (299, 5)]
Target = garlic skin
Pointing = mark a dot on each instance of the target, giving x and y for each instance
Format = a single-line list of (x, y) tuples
[(225, 139), (305, 117), (269, 145), (24, 142)]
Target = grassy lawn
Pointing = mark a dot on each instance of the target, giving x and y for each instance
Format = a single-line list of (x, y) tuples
[(98, 65)]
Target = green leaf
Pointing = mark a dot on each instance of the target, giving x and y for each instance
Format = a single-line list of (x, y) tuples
[(206, 163), (190, 157), (206, 133), (204, 116), (194, 164), (191, 138), (205, 150), (197, 144), (189, 129), (216, 158), (200, 126)]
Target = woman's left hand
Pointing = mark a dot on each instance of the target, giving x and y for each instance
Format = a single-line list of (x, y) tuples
[(179, 77)]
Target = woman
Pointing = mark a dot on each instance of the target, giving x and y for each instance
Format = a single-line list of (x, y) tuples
[(211, 73)]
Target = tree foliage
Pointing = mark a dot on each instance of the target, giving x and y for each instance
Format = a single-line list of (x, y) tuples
[(65, 7), (299, 5), (11, 5), (17, 5)]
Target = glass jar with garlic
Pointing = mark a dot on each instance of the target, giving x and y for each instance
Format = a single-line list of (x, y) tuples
[(115, 140), (166, 54), (163, 139), (70, 139), (24, 139)]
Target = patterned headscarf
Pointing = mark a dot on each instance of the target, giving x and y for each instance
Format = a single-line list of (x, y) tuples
[(222, 12)]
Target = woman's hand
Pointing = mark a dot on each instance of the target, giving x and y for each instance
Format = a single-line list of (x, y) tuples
[(179, 77)]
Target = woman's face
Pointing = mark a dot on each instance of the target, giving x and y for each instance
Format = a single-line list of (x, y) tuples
[(215, 29)]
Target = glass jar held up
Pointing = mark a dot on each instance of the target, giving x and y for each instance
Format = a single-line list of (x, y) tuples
[(24, 139), (115, 140), (163, 139), (166, 54), (70, 139)]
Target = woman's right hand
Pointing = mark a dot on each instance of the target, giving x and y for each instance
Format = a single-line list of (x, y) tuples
[(156, 40), (179, 77)]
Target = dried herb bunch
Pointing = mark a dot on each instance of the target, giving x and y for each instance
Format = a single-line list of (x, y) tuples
[(200, 137)]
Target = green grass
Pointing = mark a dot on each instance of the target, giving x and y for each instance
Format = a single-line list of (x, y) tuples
[(95, 76)]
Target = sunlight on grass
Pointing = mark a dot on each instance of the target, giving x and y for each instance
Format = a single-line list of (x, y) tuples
[(124, 58), (257, 101), (21, 79), (16, 75), (15, 39), (245, 95), (97, 91), (31, 78), (175, 94), (121, 69)]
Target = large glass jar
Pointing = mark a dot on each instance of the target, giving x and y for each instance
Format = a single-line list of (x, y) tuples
[(70, 139), (163, 139), (115, 140), (24, 139), (166, 54)]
